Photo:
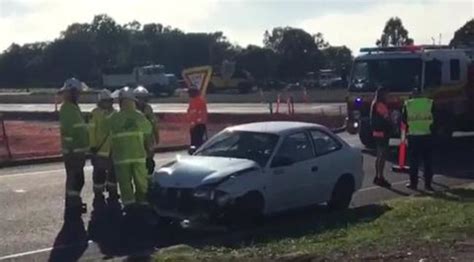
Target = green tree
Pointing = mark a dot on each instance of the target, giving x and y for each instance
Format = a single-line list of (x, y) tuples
[(298, 50), (394, 34), (260, 62), (464, 36)]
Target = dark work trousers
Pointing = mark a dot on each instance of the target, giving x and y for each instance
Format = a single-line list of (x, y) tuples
[(103, 176), (198, 135), (150, 164), (74, 164), (420, 149)]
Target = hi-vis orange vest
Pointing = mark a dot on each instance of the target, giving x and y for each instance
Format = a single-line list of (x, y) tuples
[(197, 111)]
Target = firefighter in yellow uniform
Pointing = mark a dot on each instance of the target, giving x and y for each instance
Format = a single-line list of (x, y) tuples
[(130, 133), (143, 106), (75, 145), (103, 174)]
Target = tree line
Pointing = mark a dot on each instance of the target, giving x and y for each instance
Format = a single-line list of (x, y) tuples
[(85, 50)]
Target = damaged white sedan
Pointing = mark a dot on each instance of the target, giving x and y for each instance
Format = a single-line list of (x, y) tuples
[(253, 170)]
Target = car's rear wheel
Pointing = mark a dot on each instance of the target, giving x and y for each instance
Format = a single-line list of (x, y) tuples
[(342, 193)]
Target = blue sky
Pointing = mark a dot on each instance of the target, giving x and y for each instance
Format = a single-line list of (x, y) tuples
[(353, 23)]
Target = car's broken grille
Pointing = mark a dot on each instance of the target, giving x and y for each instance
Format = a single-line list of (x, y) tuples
[(176, 199)]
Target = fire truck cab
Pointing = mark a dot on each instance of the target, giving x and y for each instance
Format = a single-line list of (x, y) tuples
[(440, 72)]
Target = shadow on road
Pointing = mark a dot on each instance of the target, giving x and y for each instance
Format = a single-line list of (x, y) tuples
[(71, 242), (119, 236), (453, 158)]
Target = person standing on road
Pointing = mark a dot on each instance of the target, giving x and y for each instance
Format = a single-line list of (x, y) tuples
[(75, 145), (381, 126), (131, 136), (143, 106), (418, 115), (197, 117), (103, 174)]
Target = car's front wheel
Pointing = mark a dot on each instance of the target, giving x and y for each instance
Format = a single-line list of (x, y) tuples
[(247, 210), (342, 193)]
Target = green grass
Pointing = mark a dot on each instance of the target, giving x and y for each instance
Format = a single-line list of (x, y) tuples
[(442, 217)]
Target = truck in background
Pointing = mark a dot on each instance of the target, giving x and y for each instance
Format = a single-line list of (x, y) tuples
[(440, 72), (152, 77)]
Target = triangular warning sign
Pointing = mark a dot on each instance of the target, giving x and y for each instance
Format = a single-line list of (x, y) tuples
[(198, 77)]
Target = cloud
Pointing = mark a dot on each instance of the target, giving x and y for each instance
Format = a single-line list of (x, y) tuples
[(45, 19), (423, 20)]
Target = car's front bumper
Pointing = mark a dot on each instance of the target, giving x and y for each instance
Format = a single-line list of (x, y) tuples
[(180, 204)]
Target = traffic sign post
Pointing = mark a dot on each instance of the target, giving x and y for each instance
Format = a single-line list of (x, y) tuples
[(198, 77)]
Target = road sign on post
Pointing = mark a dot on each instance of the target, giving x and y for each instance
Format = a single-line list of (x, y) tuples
[(198, 77)]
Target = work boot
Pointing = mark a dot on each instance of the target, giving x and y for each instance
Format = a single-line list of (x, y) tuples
[(428, 187)]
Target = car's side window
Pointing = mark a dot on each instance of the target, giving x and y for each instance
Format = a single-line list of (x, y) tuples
[(296, 147), (323, 143)]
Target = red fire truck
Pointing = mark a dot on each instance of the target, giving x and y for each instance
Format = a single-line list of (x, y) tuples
[(440, 72)]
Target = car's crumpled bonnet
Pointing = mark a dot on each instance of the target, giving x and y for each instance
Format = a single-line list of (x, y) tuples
[(193, 171)]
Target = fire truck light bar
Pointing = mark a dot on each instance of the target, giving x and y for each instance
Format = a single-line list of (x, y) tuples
[(409, 48)]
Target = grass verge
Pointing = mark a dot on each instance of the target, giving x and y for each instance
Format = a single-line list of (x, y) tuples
[(414, 221)]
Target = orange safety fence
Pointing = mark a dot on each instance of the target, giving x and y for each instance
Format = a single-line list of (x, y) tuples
[(38, 139)]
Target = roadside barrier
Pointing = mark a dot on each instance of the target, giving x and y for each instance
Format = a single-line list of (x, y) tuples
[(277, 111), (4, 137)]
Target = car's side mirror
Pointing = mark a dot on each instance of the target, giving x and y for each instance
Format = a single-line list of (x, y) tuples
[(281, 161), (192, 150)]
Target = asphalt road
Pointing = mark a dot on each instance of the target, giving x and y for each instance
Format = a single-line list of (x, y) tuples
[(228, 108), (31, 198)]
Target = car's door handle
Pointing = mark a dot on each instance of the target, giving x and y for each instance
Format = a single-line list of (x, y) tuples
[(314, 169)]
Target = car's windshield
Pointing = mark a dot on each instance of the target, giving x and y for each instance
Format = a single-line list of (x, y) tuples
[(398, 75), (240, 144)]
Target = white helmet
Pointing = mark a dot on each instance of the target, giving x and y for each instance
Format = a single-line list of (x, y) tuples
[(105, 95), (141, 91), (127, 93), (72, 84)]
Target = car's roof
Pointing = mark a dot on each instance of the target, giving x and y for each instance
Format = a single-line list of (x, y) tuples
[(276, 127)]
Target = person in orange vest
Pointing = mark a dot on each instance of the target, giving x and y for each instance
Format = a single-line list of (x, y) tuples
[(197, 117), (381, 126)]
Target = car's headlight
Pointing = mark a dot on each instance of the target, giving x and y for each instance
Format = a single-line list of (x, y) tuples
[(204, 193), (208, 193)]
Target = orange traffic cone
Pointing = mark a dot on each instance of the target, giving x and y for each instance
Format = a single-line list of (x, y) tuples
[(402, 153)]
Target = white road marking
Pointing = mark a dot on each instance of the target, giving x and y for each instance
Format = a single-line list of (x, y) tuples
[(19, 191), (38, 251), (45, 172)]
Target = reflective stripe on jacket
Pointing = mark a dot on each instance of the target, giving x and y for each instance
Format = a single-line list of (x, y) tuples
[(130, 133), (197, 111), (74, 130), (98, 131), (419, 116)]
